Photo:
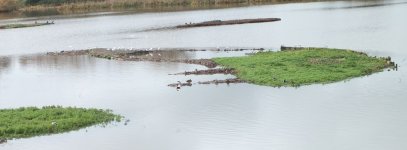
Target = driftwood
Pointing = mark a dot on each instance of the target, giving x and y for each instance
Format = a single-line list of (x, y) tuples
[(227, 22)]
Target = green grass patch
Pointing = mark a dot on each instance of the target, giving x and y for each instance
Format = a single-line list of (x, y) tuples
[(32, 121), (303, 66)]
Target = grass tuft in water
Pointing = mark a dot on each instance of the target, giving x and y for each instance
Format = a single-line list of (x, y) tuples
[(303, 66), (32, 121)]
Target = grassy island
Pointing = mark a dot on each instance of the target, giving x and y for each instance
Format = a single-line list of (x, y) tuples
[(32, 121), (303, 66)]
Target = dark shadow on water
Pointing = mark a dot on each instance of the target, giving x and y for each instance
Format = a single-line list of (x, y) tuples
[(5, 63)]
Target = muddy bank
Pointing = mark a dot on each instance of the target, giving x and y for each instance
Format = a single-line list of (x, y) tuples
[(207, 72), (155, 55), (227, 22), (167, 55)]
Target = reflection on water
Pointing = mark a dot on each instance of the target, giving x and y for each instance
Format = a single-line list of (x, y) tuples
[(361, 113), (4, 63)]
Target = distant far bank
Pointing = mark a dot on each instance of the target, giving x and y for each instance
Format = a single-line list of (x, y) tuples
[(60, 7)]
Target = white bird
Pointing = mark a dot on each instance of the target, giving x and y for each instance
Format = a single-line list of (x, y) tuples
[(178, 85), (159, 54)]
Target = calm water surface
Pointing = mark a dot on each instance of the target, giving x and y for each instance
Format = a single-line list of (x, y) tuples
[(361, 113)]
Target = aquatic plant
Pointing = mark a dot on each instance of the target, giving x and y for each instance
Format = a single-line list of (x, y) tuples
[(32, 121), (303, 66)]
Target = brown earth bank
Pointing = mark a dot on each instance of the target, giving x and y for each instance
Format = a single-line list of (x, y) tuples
[(165, 55)]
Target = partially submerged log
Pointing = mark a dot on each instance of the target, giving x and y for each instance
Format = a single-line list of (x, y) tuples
[(227, 22)]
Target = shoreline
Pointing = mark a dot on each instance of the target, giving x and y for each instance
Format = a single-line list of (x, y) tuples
[(24, 25), (133, 6)]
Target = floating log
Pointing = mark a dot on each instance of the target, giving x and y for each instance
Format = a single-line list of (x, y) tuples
[(227, 22)]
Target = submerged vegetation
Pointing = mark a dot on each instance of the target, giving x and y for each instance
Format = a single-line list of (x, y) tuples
[(303, 66), (32, 121)]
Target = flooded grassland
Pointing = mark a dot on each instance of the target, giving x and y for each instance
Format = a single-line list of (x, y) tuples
[(360, 112)]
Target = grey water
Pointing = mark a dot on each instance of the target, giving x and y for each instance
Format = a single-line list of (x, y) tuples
[(361, 113)]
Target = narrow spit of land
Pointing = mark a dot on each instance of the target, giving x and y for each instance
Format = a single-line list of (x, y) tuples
[(215, 23), (292, 66), (227, 22), (25, 25), (155, 55), (27, 122)]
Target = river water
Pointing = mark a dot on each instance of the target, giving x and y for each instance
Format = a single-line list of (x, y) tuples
[(361, 113)]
